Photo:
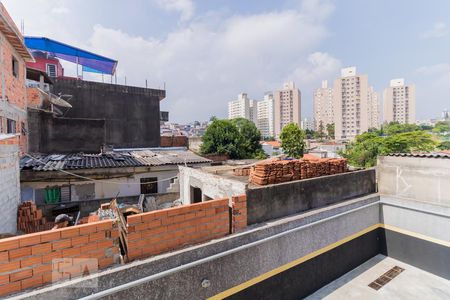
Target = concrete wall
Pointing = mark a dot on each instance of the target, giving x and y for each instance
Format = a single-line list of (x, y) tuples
[(212, 186), (9, 188), (420, 179), (279, 200), (50, 134), (131, 113)]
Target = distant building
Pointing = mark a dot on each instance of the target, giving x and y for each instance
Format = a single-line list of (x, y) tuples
[(243, 107), (272, 148), (352, 98), (265, 116), (374, 109), (307, 124), (287, 107), (400, 102), (323, 105), (446, 115)]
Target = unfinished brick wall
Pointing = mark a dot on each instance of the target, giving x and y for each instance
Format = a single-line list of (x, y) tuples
[(239, 213), (33, 98), (174, 141), (36, 259), (168, 229)]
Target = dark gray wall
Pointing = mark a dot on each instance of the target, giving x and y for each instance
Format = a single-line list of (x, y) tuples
[(49, 134), (279, 200), (101, 113)]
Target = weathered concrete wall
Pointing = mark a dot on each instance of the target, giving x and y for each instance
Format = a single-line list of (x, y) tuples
[(279, 200), (194, 143), (212, 186), (9, 188), (420, 179), (49, 134), (131, 113)]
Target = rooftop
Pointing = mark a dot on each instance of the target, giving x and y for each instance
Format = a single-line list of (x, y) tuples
[(118, 159)]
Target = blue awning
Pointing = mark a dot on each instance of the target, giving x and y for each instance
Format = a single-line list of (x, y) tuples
[(91, 62)]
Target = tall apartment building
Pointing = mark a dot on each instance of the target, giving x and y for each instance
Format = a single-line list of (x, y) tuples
[(400, 102), (323, 105), (446, 115), (352, 103), (307, 124), (243, 107), (287, 107), (265, 116), (373, 109)]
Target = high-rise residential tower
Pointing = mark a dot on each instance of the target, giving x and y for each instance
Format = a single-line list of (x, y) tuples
[(373, 109), (352, 104), (323, 105), (243, 107), (400, 102), (265, 116), (287, 107)]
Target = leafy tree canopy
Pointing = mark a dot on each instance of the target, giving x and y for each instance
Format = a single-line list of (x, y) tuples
[(442, 126), (395, 127), (292, 140), (444, 145), (237, 138)]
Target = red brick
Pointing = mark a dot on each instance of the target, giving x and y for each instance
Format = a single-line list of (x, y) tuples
[(41, 248), (18, 253), (50, 236), (154, 215), (104, 225), (105, 262), (4, 279), (31, 282), (141, 226), (9, 243), (80, 240), (88, 247), (51, 256), (85, 229), (10, 288), (69, 232), (97, 236), (71, 252), (11, 266), (99, 253), (61, 244), (29, 239), (153, 224), (30, 261), (4, 257), (134, 219), (42, 269), (115, 233), (20, 275), (105, 244)]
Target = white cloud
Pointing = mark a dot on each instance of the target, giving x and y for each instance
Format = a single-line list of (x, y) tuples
[(205, 63), (439, 30), (60, 10), (439, 74), (185, 7)]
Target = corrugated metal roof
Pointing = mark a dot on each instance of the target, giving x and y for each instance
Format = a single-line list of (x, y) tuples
[(123, 159), (422, 155)]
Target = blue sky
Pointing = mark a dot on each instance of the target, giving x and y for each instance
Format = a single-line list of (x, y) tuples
[(209, 51)]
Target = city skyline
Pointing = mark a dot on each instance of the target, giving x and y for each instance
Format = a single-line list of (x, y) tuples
[(189, 46)]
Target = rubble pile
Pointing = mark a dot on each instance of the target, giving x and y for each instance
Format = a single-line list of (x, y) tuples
[(30, 219), (278, 171)]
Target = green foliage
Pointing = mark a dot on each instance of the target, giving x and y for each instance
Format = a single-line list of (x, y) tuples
[(425, 127), (441, 127), (239, 138), (310, 133), (395, 128), (330, 131), (444, 145), (364, 150), (292, 140), (260, 155)]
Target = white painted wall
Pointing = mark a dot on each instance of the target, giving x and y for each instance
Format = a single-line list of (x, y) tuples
[(9, 188)]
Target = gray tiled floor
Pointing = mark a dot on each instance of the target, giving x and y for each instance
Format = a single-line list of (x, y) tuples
[(413, 283)]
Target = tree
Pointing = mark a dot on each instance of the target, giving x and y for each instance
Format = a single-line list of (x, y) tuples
[(407, 142), (444, 145), (441, 127), (395, 128), (320, 133), (213, 118), (238, 138), (221, 137), (292, 140), (310, 133), (330, 131), (249, 146)]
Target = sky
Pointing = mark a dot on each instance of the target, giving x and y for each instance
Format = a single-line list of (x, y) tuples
[(207, 52)]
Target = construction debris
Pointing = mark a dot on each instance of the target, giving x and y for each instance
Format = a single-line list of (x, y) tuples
[(242, 171), (30, 219), (277, 171)]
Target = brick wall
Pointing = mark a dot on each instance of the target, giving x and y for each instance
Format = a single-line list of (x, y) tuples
[(33, 98), (168, 229), (174, 141), (36, 259), (239, 213)]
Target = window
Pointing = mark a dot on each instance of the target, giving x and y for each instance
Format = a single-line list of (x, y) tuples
[(10, 126), (149, 185), (51, 70), (15, 67)]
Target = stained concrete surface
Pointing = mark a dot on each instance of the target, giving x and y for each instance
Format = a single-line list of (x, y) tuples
[(412, 283)]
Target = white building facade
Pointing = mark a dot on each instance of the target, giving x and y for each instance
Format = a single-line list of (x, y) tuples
[(265, 116), (243, 107), (287, 107), (400, 102), (323, 105)]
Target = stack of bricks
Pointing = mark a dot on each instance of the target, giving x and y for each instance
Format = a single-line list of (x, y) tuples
[(33, 260), (30, 219), (242, 171), (169, 229), (278, 171)]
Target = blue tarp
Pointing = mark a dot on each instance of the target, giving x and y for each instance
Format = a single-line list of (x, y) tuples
[(91, 62)]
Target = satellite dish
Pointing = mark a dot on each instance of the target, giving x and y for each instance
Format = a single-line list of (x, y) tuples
[(56, 100)]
